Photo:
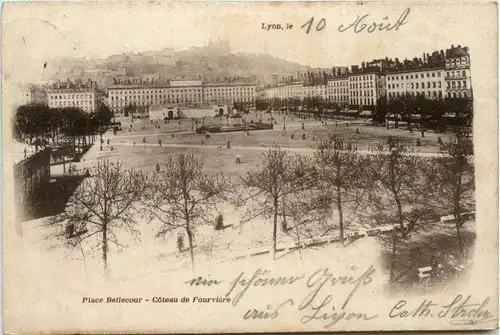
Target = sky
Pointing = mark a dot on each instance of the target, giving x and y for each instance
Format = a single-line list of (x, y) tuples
[(33, 33)]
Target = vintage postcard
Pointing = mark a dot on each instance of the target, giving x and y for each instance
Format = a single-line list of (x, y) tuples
[(194, 167)]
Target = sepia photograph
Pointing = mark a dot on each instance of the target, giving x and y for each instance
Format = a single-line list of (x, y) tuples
[(249, 167)]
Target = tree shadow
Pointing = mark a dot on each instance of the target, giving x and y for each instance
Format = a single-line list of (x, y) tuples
[(414, 254), (51, 199)]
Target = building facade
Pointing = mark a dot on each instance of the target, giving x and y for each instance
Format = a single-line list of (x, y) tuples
[(365, 88), (31, 174), (34, 95), (439, 75), (160, 113), (85, 98), (457, 73), (338, 90), (181, 93), (293, 90), (316, 91), (429, 83)]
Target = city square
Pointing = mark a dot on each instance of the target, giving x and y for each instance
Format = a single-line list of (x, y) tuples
[(338, 149), (249, 167)]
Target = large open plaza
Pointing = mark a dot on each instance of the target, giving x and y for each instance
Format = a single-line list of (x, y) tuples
[(148, 144)]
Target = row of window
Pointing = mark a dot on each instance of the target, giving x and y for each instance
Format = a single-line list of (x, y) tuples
[(453, 74), (192, 90), (146, 103), (343, 83), (453, 84), (430, 84), (414, 76), (70, 96), (458, 95), (165, 96), (456, 61), (430, 94), (457, 84), (365, 93), (70, 103), (338, 90), (181, 97), (361, 78), (365, 85)]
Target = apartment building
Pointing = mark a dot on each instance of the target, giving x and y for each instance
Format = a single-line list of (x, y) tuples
[(338, 90), (441, 74), (365, 87), (457, 73), (429, 83), (85, 98)]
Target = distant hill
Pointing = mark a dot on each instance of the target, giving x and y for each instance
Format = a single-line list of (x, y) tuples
[(211, 60)]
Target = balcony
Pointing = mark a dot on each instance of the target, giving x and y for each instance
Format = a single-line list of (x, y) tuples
[(457, 89), (459, 77)]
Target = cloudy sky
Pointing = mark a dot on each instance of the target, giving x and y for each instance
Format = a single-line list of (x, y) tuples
[(33, 33)]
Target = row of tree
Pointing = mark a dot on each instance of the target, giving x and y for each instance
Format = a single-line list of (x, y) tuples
[(436, 114), (39, 124), (310, 196)]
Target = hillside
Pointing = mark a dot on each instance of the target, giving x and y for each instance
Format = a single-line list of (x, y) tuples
[(210, 60)]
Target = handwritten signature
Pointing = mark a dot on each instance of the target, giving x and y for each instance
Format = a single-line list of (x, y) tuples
[(359, 24), (460, 311)]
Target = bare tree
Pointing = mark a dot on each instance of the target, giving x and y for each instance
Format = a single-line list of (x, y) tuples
[(399, 189), (277, 177), (341, 176), (101, 207), (305, 216), (453, 176), (183, 196)]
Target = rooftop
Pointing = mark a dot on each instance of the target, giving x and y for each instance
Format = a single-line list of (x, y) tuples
[(70, 89), (175, 85)]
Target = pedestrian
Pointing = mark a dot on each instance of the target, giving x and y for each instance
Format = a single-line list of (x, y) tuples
[(434, 266)]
